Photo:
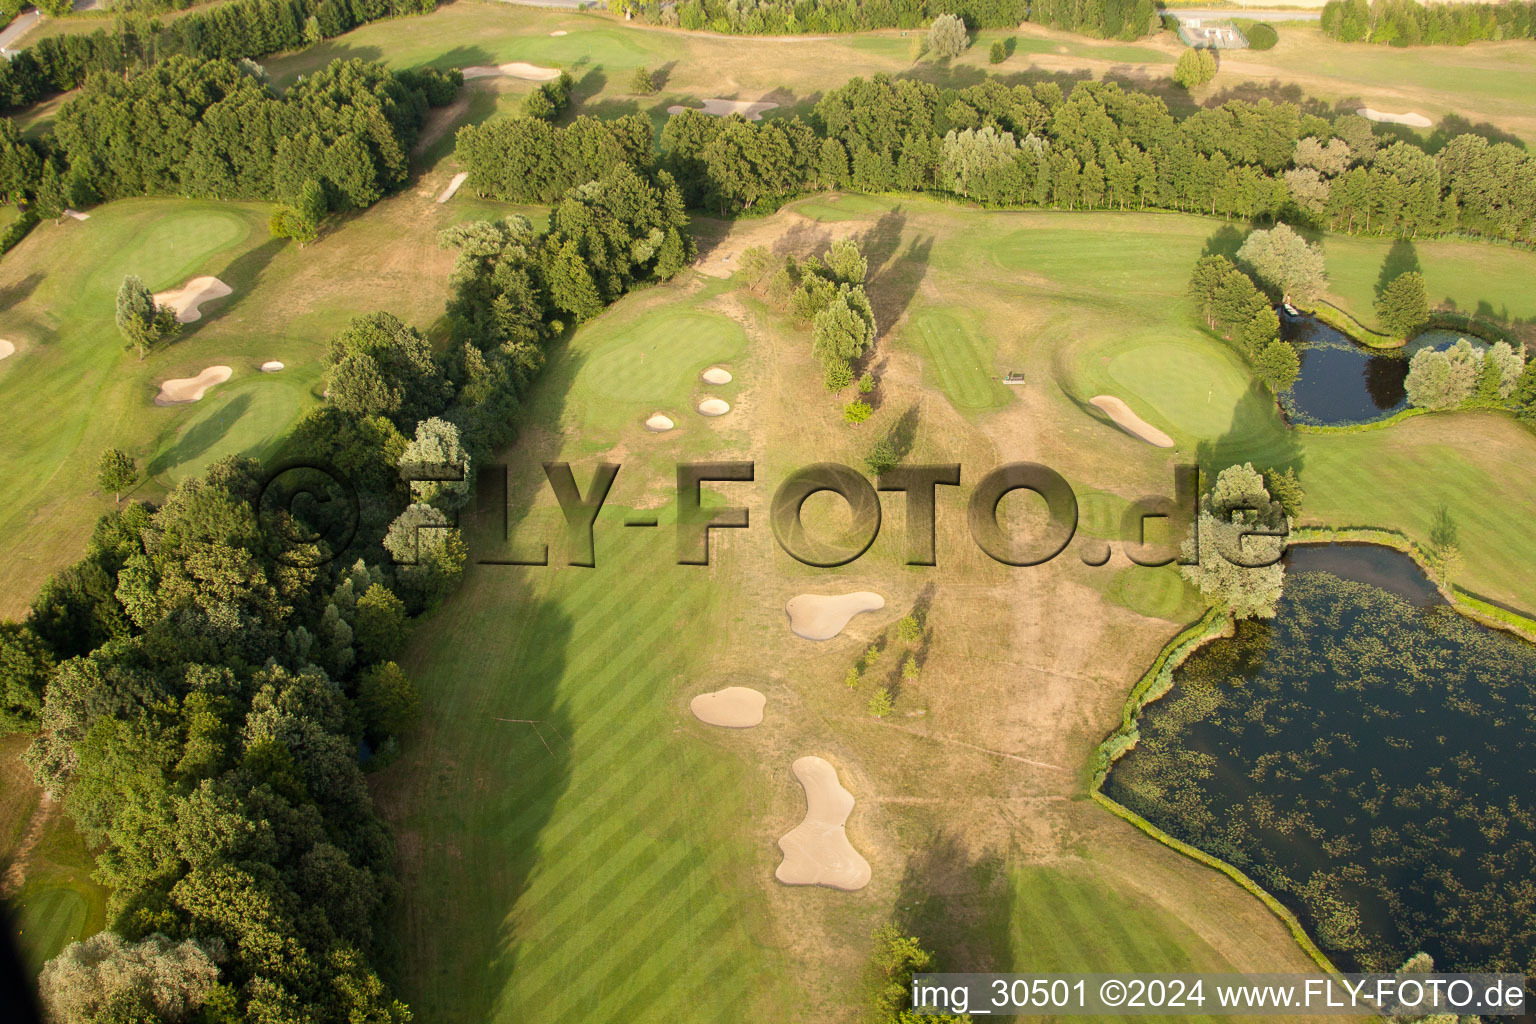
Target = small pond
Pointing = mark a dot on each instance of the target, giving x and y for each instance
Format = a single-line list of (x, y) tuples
[(1343, 381), (1368, 756)]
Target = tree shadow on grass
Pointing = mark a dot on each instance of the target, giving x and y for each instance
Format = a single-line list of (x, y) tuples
[(1402, 258), (895, 274), (202, 437), (1452, 125), (241, 275), (959, 902), (1257, 433), (461, 889), (1225, 242)]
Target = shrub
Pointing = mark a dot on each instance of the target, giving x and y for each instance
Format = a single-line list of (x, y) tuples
[(1262, 36), (836, 375), (909, 630), (881, 703), (909, 669), (1195, 67), (881, 457), (999, 52), (643, 82), (851, 678), (866, 383), (857, 411)]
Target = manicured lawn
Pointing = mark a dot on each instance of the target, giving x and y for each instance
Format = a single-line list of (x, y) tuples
[(1470, 277), (593, 866), (1064, 920), (962, 355)]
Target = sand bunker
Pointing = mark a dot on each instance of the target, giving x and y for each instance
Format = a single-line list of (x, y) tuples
[(516, 69), (721, 108), (817, 851), (715, 375), (659, 422), (77, 215), (714, 407), (187, 299), (1129, 422), (453, 186), (271, 366), (735, 707), (190, 389), (7, 349), (1411, 120), (823, 616), (561, 32)]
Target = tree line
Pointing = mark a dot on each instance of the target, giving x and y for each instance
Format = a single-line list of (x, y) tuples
[(1106, 19), (1409, 23), (337, 140), (203, 685), (234, 30), (1100, 147)]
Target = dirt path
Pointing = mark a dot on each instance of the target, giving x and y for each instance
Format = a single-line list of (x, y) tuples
[(16, 873)]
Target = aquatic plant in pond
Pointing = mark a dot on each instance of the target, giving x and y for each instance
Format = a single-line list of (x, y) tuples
[(1369, 757)]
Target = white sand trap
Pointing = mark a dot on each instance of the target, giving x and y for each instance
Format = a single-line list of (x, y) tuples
[(735, 707), (7, 349), (1411, 120), (714, 407), (823, 616), (271, 366), (561, 32), (659, 422), (187, 299), (516, 69), (453, 186), (817, 851), (77, 215), (722, 108), (1129, 422), (716, 375), (191, 389)]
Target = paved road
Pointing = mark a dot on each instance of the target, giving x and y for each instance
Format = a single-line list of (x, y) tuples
[(16, 29), (1256, 13)]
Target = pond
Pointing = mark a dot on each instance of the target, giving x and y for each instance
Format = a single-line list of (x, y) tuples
[(1368, 756), (1341, 380)]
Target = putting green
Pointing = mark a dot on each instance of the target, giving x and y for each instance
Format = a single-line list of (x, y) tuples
[(658, 358), (1182, 385), (1158, 593), (233, 419), (166, 251), (961, 356)]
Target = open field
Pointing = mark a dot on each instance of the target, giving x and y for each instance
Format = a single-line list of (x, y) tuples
[(573, 843), (556, 838)]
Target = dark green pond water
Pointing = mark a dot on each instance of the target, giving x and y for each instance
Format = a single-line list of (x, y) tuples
[(1368, 756)]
